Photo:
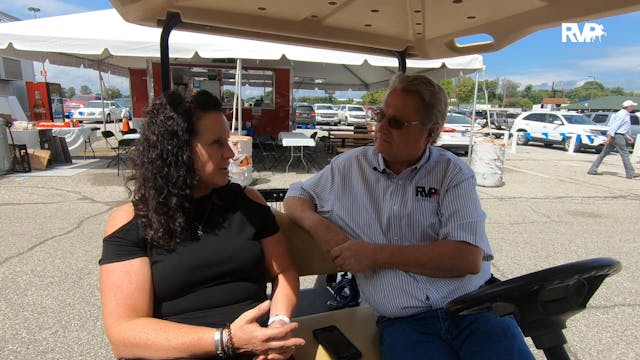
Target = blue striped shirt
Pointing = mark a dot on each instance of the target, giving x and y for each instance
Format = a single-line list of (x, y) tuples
[(434, 199)]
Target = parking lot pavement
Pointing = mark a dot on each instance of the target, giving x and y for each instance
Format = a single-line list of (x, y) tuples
[(548, 212)]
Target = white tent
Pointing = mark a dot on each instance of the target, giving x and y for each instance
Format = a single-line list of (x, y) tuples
[(103, 40)]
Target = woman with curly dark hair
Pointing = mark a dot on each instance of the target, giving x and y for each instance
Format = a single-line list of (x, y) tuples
[(185, 264)]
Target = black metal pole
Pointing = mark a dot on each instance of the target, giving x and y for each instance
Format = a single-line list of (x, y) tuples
[(402, 61), (173, 19)]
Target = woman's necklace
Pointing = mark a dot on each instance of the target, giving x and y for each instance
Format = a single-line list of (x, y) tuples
[(204, 218)]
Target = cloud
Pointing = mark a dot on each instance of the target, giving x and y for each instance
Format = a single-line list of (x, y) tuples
[(614, 66), (76, 77)]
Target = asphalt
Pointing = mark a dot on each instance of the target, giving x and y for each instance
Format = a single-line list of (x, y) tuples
[(548, 212)]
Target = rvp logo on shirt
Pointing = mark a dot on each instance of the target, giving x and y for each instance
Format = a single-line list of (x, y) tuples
[(422, 191), (589, 32)]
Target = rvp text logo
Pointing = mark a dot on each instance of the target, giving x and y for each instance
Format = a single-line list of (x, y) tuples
[(589, 32)]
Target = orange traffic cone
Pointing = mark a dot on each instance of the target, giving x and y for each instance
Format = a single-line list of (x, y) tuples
[(125, 124)]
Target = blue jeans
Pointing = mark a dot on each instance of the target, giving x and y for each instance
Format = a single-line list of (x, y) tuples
[(438, 335)]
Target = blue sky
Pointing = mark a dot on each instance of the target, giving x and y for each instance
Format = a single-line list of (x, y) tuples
[(539, 59)]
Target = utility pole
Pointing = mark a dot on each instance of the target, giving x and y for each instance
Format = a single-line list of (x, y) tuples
[(33, 9)]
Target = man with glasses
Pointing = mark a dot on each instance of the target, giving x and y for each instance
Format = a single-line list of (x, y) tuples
[(406, 218)]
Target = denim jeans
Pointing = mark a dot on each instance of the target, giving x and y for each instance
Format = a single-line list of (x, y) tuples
[(438, 335)]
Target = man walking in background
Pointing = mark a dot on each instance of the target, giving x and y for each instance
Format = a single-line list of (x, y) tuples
[(617, 137)]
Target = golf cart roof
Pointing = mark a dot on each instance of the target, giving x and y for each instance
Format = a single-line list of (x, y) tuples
[(425, 29)]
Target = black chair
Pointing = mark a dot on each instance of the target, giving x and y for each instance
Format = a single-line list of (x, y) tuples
[(110, 137), (124, 147), (87, 142), (542, 301), (120, 148)]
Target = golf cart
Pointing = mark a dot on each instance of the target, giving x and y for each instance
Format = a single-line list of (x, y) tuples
[(411, 29)]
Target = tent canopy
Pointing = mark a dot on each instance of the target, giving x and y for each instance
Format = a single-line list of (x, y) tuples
[(83, 40), (425, 29)]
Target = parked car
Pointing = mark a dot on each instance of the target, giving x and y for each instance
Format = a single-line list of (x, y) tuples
[(326, 114), (82, 99), (68, 106), (455, 133), (304, 114), (370, 109), (603, 118), (352, 114), (93, 111), (125, 103), (554, 128)]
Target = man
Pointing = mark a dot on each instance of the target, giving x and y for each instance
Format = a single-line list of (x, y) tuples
[(617, 137), (406, 218)]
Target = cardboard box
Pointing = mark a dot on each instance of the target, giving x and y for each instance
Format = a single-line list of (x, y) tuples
[(39, 159)]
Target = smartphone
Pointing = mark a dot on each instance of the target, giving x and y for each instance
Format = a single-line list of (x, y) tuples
[(336, 343)]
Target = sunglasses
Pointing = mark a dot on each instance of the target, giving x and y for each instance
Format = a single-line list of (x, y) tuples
[(393, 121)]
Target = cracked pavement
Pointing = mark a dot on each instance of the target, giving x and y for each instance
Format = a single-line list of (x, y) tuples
[(548, 212)]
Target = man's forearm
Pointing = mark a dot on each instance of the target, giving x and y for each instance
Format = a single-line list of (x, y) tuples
[(303, 212)]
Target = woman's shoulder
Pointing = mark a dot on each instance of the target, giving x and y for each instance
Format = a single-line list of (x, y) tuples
[(119, 217)]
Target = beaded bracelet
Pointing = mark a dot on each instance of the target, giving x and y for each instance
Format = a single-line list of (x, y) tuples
[(227, 340)]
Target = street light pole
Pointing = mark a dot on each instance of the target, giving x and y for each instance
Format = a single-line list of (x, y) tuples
[(35, 10)]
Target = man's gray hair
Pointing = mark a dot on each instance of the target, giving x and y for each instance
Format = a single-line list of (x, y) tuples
[(435, 101)]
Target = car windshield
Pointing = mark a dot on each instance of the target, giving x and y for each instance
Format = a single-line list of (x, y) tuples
[(324, 107), (355, 108), (304, 108), (577, 119), (458, 119)]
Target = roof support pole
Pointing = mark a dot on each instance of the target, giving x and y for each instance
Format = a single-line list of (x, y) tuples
[(402, 61), (173, 19)]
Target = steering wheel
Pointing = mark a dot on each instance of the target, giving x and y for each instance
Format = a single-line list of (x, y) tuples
[(542, 301)]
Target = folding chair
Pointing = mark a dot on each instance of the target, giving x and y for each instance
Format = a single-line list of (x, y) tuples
[(87, 141), (110, 137), (124, 146)]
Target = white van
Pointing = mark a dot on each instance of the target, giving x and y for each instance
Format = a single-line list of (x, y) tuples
[(557, 128)]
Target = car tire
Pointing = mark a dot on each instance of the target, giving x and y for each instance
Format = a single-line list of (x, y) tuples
[(522, 140), (598, 149), (108, 118)]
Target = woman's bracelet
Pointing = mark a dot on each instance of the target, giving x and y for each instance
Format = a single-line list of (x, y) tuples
[(227, 340), (279, 318), (218, 343)]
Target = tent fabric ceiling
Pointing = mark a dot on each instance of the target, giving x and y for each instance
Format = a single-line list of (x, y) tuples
[(82, 40)]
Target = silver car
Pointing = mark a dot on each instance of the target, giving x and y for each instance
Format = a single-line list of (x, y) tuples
[(93, 111)]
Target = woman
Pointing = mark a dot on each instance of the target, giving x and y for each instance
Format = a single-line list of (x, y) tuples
[(192, 252)]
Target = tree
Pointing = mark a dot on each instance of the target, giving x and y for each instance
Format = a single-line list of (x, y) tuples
[(373, 97), (464, 89), (519, 102), (85, 90), (510, 88), (447, 84), (114, 92), (70, 92)]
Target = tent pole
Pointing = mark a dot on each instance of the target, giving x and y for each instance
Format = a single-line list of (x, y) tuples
[(104, 117), (239, 97), (473, 116), (173, 19), (402, 61)]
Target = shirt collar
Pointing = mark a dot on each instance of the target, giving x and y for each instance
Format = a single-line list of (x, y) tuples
[(423, 160)]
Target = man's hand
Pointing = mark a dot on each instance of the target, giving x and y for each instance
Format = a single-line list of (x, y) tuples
[(355, 256), (609, 140), (630, 139)]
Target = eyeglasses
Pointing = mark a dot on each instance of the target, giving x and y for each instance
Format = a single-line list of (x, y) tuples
[(393, 121)]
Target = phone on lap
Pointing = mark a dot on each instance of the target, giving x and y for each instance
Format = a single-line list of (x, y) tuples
[(337, 345)]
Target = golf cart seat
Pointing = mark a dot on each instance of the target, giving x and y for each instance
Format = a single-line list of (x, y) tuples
[(541, 301)]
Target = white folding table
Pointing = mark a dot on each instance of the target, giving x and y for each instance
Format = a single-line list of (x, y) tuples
[(296, 140)]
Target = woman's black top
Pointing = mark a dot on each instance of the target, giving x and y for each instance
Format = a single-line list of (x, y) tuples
[(211, 279)]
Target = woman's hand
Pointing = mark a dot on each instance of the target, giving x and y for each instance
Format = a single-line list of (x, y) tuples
[(274, 342)]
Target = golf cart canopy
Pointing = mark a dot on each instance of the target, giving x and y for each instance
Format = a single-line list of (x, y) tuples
[(425, 29)]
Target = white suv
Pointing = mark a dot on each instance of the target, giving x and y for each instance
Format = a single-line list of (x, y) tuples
[(352, 114), (326, 114), (555, 128)]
